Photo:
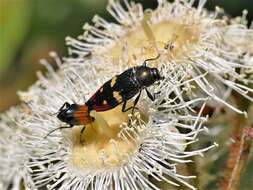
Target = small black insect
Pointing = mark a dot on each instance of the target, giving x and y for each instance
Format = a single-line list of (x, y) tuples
[(123, 87), (112, 93)]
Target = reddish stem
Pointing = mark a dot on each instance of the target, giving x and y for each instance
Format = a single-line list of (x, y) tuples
[(238, 154)]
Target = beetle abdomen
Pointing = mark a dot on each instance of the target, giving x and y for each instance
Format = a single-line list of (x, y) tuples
[(115, 91)]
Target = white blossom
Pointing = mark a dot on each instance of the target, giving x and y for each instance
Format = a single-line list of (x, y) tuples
[(124, 152), (119, 150), (13, 154), (197, 41)]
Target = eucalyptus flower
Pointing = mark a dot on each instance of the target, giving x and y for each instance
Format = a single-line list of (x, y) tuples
[(118, 150), (195, 40), (134, 150), (13, 154)]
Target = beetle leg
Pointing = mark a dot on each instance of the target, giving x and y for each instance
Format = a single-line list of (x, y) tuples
[(70, 126), (151, 97), (136, 101), (132, 107), (81, 133), (124, 107), (125, 110)]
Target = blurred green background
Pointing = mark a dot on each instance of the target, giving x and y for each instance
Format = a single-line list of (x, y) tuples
[(30, 29)]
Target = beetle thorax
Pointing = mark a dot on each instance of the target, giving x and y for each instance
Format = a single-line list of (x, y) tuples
[(147, 76)]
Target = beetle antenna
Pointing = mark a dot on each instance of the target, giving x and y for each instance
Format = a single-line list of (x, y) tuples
[(54, 113), (151, 59)]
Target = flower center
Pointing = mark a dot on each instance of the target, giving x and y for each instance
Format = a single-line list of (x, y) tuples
[(101, 145), (167, 35)]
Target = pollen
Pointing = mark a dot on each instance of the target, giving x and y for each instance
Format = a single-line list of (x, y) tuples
[(101, 145)]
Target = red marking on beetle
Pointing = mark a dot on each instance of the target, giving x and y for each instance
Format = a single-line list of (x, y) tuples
[(104, 107), (82, 115)]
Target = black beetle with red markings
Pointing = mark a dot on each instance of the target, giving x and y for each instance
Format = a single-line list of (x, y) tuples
[(112, 93)]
